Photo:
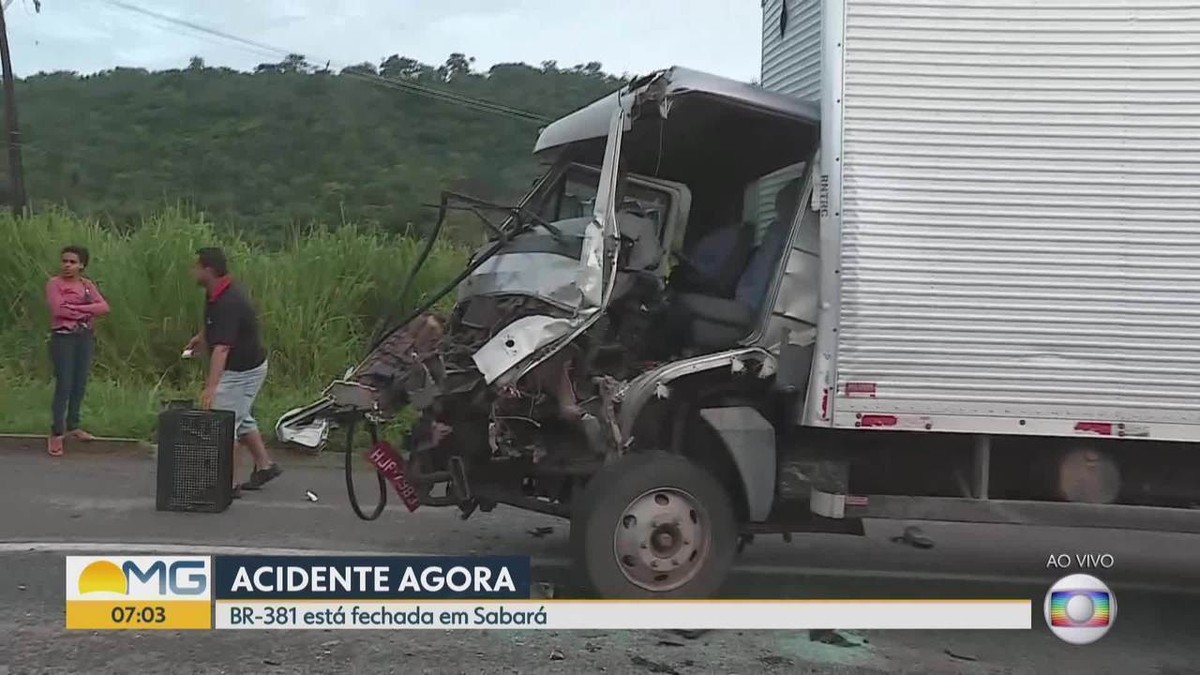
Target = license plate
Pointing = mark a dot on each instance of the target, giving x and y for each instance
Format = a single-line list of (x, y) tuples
[(389, 463)]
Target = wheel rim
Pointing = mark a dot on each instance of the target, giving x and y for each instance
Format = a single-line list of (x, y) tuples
[(661, 539)]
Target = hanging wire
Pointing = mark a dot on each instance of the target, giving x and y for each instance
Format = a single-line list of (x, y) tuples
[(480, 105)]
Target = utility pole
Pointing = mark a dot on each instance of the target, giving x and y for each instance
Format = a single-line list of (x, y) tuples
[(16, 174)]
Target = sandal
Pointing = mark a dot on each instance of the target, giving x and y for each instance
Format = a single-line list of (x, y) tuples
[(81, 435), (54, 446)]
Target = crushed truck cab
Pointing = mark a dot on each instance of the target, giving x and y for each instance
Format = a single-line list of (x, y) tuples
[(716, 316)]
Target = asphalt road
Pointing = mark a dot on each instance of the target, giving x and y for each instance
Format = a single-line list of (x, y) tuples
[(105, 504)]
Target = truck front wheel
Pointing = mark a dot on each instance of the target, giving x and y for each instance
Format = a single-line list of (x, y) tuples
[(653, 525)]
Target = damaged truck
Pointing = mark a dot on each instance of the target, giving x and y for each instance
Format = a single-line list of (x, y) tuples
[(953, 284)]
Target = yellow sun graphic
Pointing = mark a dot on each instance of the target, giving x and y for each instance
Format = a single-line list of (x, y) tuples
[(102, 576)]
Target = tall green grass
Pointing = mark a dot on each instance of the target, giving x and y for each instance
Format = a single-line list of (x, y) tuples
[(319, 298)]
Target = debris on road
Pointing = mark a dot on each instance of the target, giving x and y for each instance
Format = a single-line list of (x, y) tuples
[(772, 661), (830, 637), (312, 496), (914, 536), (21, 587), (691, 634), (961, 657), (543, 589), (272, 662), (669, 643), (557, 655), (653, 666), (540, 532)]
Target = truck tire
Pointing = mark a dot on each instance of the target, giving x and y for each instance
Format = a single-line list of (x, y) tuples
[(653, 525)]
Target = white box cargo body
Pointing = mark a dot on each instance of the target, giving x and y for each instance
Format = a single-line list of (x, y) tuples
[(1010, 196)]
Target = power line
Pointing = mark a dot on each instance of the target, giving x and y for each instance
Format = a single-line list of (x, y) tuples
[(258, 46), (447, 97), (480, 105)]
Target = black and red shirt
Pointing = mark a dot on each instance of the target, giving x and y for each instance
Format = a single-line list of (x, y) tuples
[(231, 319)]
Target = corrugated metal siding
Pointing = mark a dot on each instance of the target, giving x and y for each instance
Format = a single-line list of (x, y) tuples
[(1021, 208), (763, 210), (791, 64), (768, 187)]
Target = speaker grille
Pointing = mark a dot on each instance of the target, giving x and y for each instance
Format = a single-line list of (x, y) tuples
[(195, 460)]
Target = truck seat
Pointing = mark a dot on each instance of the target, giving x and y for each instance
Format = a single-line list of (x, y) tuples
[(721, 256), (715, 323), (711, 322)]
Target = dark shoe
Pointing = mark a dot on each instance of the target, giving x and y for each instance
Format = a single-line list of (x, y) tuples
[(261, 477), (237, 492)]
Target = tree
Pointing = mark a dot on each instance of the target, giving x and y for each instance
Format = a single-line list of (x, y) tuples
[(361, 69), (396, 66), (589, 68), (456, 65), (293, 63), (196, 63)]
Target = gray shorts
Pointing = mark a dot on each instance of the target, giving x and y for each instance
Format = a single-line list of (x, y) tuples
[(236, 392)]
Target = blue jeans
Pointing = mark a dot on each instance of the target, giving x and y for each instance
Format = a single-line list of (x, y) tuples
[(71, 356)]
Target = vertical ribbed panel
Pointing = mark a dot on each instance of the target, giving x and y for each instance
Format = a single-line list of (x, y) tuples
[(768, 187), (1021, 209), (791, 64)]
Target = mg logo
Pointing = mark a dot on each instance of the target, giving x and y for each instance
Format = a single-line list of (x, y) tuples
[(184, 577)]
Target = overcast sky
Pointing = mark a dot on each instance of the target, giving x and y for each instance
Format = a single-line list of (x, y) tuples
[(627, 36)]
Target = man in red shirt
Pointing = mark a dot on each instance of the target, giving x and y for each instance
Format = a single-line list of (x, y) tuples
[(237, 358)]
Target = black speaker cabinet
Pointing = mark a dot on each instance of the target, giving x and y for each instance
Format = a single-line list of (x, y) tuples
[(195, 460)]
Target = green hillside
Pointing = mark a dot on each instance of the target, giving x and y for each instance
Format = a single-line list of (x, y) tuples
[(288, 145)]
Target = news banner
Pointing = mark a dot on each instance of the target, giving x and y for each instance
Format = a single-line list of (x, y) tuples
[(406, 593)]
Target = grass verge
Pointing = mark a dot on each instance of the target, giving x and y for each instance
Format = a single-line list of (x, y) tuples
[(319, 298), (121, 411)]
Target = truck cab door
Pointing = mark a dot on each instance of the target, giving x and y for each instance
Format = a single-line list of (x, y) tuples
[(526, 343), (598, 260), (790, 328)]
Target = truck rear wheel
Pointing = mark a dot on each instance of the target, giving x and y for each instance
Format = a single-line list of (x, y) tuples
[(653, 525)]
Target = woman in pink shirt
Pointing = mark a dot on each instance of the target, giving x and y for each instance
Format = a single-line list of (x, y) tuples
[(74, 302)]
